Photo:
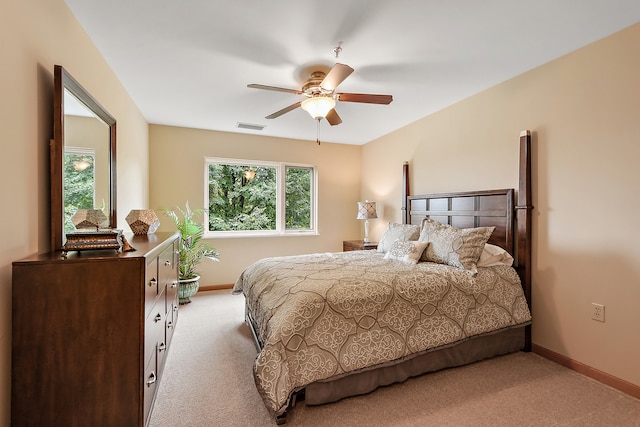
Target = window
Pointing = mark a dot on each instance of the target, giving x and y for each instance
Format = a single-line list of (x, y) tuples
[(251, 198)]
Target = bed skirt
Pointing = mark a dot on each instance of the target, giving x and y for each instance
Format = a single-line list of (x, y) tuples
[(365, 381)]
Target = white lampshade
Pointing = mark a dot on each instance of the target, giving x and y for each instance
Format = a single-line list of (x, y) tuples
[(319, 106), (367, 210)]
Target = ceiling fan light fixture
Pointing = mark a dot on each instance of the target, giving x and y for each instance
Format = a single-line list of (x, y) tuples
[(318, 106)]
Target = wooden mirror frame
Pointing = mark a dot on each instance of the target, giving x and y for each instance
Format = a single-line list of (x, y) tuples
[(63, 80)]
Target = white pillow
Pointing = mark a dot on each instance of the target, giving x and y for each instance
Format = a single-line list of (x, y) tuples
[(494, 255), (395, 232), (406, 251)]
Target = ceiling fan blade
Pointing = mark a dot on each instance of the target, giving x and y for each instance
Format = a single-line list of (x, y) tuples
[(335, 76), (365, 97), (284, 110), (278, 89), (333, 118)]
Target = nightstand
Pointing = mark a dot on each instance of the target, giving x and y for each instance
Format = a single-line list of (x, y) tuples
[(357, 245)]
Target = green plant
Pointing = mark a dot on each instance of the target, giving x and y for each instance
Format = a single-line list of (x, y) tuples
[(192, 249)]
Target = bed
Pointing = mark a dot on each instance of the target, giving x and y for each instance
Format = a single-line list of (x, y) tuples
[(332, 325)]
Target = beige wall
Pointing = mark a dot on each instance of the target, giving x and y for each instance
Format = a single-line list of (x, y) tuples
[(338, 165), (36, 34), (584, 111)]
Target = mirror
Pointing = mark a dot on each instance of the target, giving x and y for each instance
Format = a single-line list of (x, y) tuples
[(83, 157)]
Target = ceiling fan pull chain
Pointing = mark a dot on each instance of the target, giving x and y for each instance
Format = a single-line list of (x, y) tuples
[(318, 131)]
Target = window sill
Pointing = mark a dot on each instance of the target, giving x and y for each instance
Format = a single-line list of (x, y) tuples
[(254, 234)]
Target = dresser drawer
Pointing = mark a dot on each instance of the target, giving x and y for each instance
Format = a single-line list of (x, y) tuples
[(150, 285), (172, 319), (168, 272), (150, 383), (154, 329), (172, 307)]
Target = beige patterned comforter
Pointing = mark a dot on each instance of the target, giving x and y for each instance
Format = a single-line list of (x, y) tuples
[(323, 315)]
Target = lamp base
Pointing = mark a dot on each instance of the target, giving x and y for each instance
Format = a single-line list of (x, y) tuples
[(366, 231)]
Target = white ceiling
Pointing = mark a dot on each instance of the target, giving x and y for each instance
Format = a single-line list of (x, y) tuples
[(188, 62)]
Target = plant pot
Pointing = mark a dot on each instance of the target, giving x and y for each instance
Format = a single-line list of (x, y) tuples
[(188, 288)]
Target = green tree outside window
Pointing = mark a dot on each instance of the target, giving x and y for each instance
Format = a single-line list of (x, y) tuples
[(247, 196)]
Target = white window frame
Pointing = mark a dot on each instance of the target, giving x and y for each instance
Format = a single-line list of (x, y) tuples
[(280, 199)]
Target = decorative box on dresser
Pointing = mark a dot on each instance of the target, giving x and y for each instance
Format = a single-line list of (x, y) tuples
[(358, 245), (91, 333)]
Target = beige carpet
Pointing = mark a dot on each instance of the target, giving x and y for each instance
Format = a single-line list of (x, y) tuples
[(208, 382)]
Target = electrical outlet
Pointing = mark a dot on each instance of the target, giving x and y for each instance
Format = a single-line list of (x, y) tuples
[(598, 312)]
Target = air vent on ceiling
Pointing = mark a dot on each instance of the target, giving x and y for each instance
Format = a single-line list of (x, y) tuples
[(250, 126)]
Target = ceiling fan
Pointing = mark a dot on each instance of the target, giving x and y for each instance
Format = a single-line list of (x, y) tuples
[(321, 95)]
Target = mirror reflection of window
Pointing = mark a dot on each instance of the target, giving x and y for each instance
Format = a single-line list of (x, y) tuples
[(78, 182), (85, 171)]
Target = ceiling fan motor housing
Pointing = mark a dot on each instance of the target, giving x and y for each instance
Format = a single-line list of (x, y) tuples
[(312, 87)]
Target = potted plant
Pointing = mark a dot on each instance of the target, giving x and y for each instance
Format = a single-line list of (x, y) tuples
[(192, 250)]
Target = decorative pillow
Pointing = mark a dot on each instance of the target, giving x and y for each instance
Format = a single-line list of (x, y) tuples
[(494, 255), (406, 251), (458, 247), (395, 232)]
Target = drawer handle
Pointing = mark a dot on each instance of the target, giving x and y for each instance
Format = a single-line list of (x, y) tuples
[(153, 282), (174, 284), (161, 346), (157, 318), (152, 379), (167, 262), (169, 325)]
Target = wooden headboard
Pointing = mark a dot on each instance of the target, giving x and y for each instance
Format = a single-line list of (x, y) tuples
[(493, 208), (498, 208)]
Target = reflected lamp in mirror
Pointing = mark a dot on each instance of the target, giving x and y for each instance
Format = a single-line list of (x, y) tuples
[(82, 164), (90, 219), (366, 211), (143, 221), (249, 174)]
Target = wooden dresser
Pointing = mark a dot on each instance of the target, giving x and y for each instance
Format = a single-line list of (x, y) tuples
[(91, 333)]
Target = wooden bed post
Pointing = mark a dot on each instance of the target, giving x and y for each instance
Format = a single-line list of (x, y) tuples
[(405, 193), (523, 217)]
